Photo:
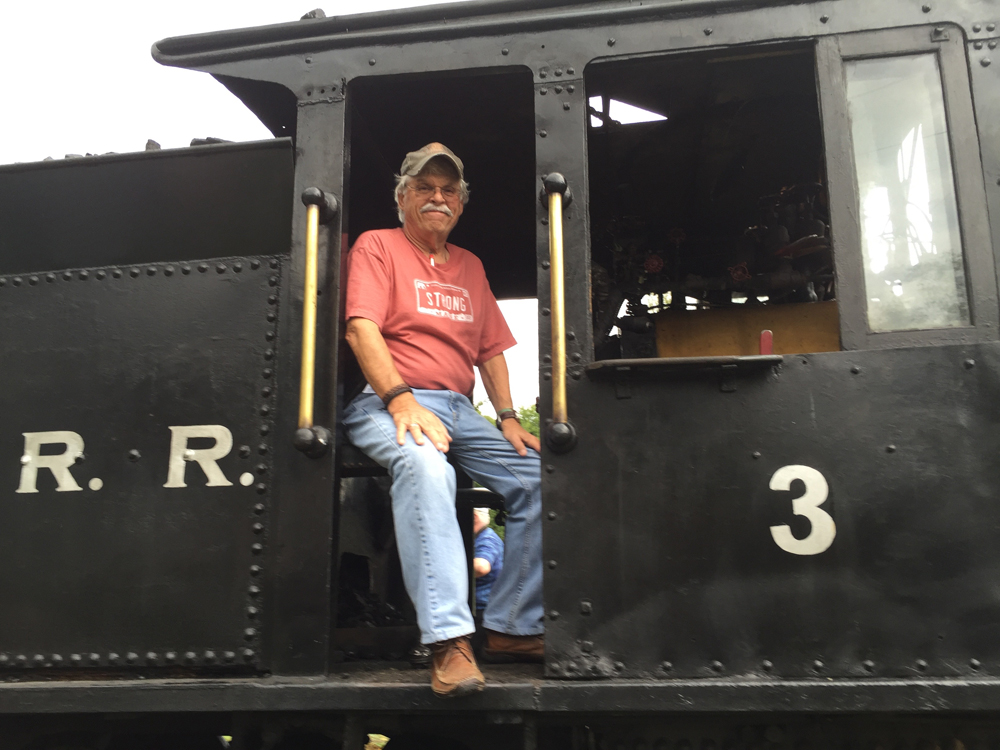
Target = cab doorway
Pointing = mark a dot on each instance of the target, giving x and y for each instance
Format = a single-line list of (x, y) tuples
[(487, 118)]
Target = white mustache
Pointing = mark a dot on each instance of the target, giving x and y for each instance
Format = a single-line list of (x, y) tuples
[(434, 207)]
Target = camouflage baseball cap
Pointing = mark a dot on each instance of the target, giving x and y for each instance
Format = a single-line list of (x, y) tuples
[(417, 160)]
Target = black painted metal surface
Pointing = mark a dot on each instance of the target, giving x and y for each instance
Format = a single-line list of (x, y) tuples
[(394, 688), (128, 556), (297, 625), (179, 204), (663, 563), (693, 583), (474, 19), (516, 712)]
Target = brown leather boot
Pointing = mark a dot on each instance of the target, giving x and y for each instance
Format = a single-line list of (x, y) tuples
[(453, 669), (503, 648)]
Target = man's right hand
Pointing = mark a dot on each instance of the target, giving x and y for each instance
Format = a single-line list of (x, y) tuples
[(411, 417)]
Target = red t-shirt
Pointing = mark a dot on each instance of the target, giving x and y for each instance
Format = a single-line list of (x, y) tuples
[(438, 321)]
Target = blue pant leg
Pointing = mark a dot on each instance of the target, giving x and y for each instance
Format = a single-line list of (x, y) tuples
[(515, 605), (435, 569)]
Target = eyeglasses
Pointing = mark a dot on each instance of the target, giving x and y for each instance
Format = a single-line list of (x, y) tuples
[(424, 190)]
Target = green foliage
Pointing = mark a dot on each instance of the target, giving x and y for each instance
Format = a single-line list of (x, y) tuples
[(527, 414), (529, 421), (493, 524), (478, 406)]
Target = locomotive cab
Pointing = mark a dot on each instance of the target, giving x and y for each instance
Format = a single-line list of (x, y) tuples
[(745, 278), (804, 202), (742, 296), (762, 237)]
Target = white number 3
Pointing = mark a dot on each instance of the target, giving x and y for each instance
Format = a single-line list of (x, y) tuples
[(822, 528)]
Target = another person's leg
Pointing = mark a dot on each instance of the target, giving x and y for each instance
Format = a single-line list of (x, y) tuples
[(515, 607)]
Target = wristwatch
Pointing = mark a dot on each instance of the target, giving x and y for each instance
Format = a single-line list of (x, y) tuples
[(506, 414)]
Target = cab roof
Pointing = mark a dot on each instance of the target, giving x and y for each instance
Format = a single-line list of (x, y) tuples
[(419, 24)]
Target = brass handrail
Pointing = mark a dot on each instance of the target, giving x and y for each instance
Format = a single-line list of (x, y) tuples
[(311, 439), (560, 435), (307, 378), (557, 295)]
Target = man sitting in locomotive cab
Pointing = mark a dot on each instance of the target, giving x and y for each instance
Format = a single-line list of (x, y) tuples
[(420, 314)]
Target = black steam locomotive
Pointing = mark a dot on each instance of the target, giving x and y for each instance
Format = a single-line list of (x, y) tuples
[(770, 369)]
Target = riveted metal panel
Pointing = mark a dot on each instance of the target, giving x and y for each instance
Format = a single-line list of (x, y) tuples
[(899, 448), (984, 68), (779, 732), (103, 565), (296, 638)]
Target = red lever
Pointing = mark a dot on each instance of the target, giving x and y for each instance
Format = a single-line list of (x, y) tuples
[(766, 342)]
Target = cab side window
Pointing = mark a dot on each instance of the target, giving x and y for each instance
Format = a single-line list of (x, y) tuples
[(788, 198), (708, 205), (907, 198), (911, 245)]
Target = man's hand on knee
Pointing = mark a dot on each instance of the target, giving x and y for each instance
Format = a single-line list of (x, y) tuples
[(519, 437), (411, 417)]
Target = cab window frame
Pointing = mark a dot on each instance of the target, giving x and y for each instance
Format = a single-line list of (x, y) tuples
[(948, 45)]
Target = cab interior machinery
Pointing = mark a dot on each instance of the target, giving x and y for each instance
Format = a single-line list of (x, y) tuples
[(709, 220)]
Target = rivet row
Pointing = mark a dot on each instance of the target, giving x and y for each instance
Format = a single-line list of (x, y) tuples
[(113, 658), (134, 272), (264, 409)]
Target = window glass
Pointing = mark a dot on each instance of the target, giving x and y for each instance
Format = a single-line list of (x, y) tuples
[(911, 244)]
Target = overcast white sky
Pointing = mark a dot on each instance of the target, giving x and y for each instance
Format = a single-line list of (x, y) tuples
[(77, 77)]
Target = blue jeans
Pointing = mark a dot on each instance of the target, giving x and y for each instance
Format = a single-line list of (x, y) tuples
[(435, 568)]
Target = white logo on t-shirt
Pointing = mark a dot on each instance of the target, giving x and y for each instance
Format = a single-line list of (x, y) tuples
[(443, 300)]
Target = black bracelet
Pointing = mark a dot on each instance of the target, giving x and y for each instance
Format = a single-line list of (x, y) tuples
[(397, 390)]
